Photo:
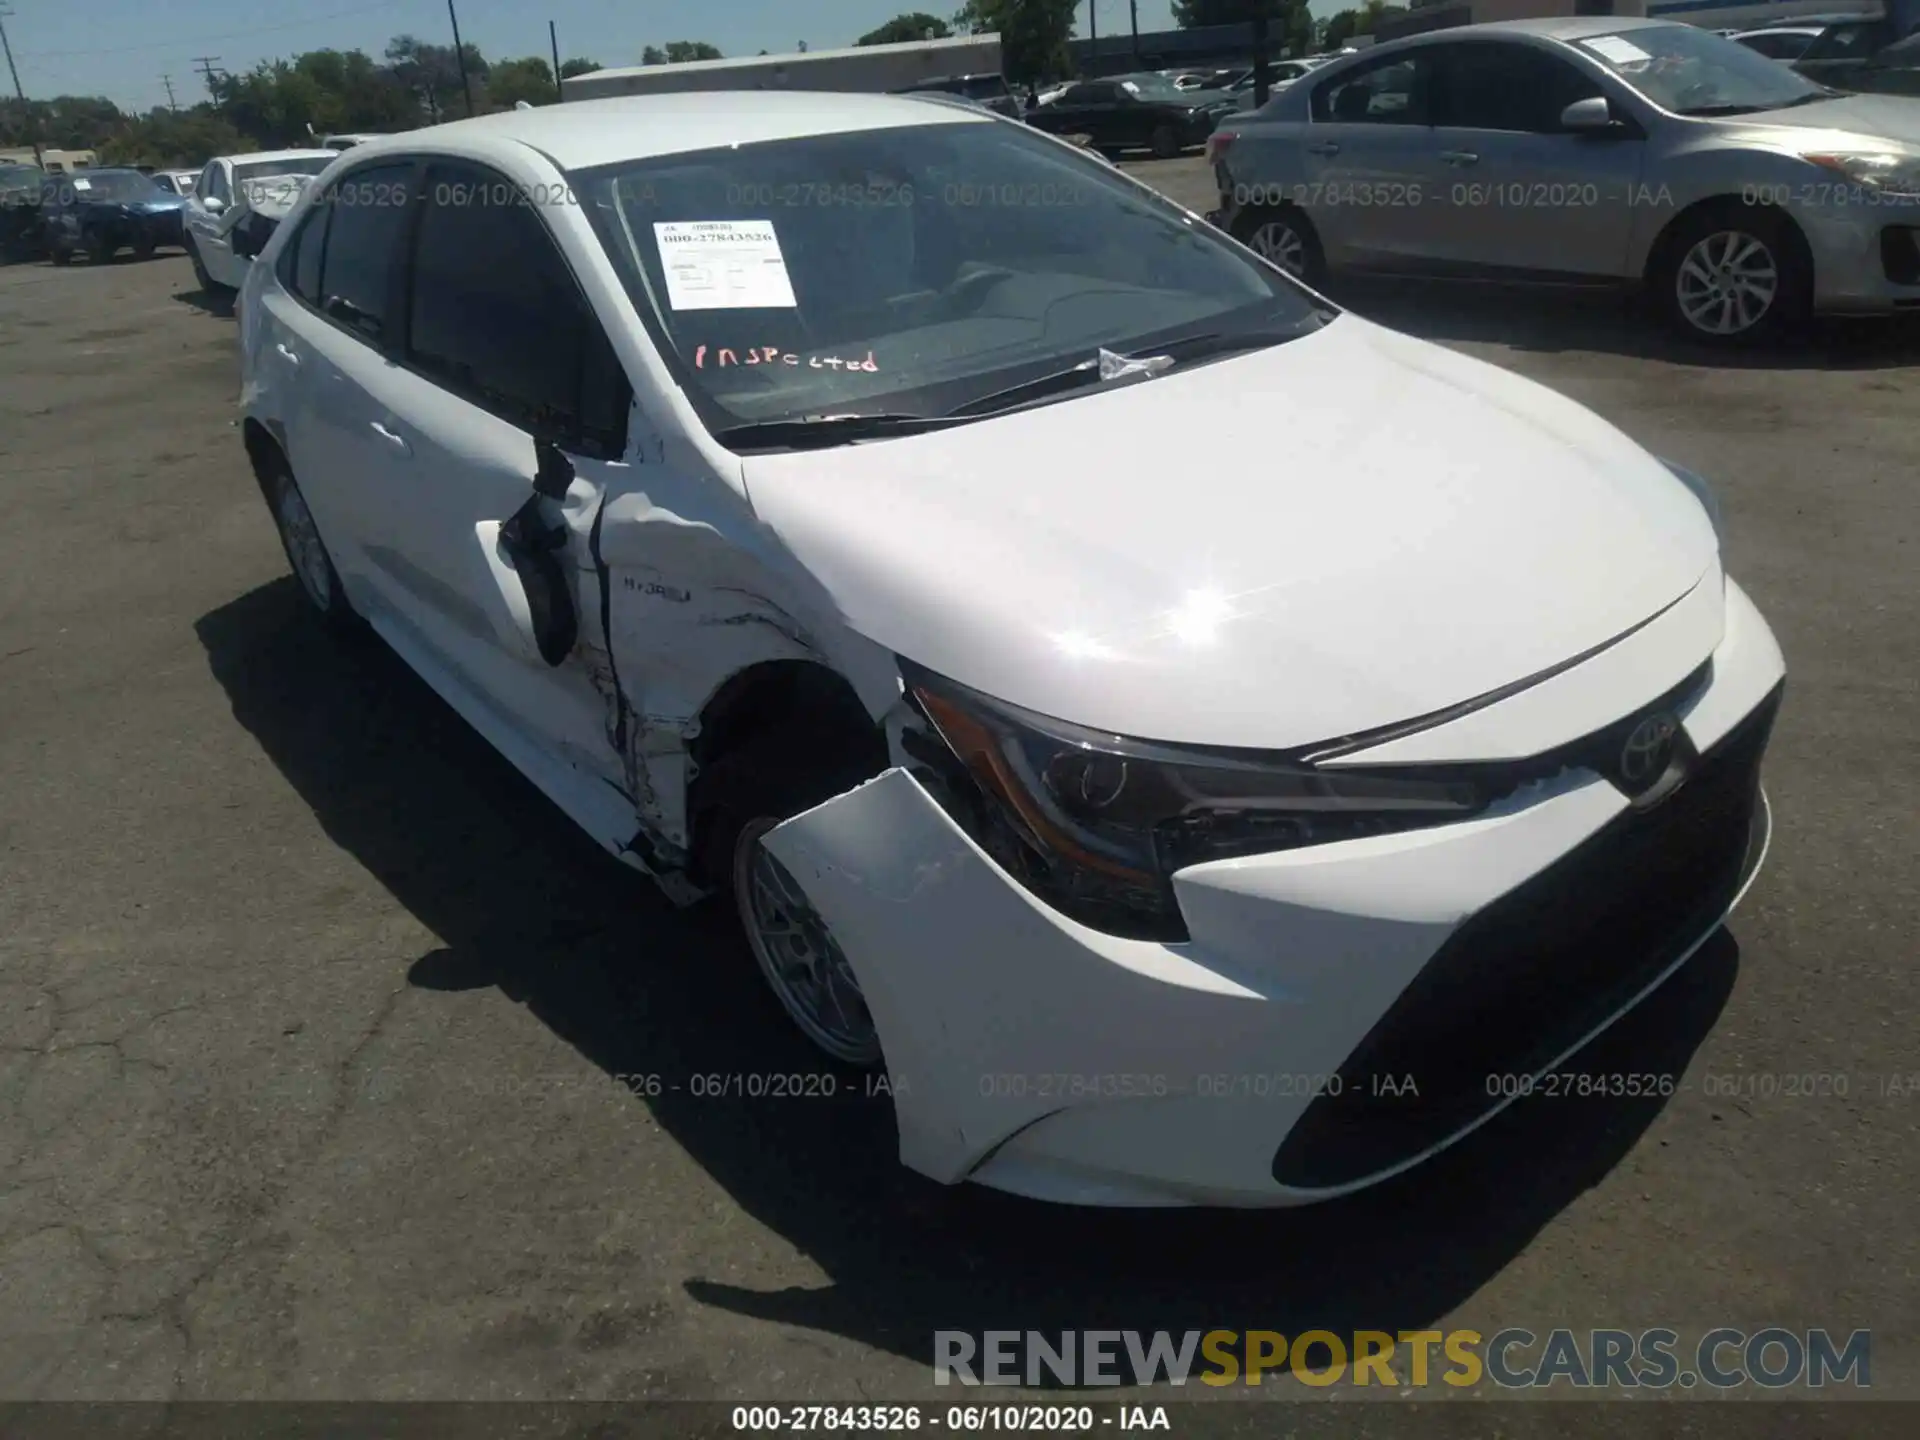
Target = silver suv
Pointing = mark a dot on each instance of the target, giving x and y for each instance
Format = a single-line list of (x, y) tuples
[(1583, 150)]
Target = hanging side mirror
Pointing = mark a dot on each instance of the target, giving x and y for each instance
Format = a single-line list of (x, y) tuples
[(531, 542)]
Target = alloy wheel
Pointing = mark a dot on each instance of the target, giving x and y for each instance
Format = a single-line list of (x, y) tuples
[(304, 548), (1727, 283), (802, 962), (1279, 242)]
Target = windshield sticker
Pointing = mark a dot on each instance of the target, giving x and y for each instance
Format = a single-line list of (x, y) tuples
[(83, 184), (723, 265), (1616, 48), (772, 355)]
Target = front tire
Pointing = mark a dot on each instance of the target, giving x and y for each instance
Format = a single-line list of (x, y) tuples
[(208, 285), (100, 249), (1164, 143), (804, 969), (1733, 275), (1282, 235), (60, 255)]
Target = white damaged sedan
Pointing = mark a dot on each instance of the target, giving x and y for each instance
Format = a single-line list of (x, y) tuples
[(799, 489)]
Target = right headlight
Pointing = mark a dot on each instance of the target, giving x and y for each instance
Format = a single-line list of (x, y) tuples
[(1096, 825), (1888, 174)]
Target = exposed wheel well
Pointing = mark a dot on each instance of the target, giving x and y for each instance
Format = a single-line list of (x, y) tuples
[(1657, 253), (802, 706), (263, 450)]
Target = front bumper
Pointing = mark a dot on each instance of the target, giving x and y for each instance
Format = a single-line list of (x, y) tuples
[(1037, 1056), (1866, 258)]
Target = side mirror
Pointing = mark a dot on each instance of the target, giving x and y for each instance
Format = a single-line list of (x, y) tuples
[(1591, 116), (213, 204)]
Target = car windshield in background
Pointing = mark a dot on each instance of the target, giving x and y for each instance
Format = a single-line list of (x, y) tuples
[(117, 185), (1695, 72), (264, 169), (915, 269), (1155, 87)]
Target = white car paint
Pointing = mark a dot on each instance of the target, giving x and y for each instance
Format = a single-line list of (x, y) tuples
[(1454, 565), (210, 226)]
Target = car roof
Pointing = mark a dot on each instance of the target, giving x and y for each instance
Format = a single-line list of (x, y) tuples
[(254, 156), (582, 134)]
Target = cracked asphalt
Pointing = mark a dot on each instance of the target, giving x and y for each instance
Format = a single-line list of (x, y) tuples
[(310, 1008)]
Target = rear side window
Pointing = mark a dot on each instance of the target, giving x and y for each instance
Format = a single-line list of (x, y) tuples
[(1390, 91), (300, 261), (497, 316), (366, 214)]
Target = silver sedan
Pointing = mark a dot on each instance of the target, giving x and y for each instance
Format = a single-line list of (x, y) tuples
[(1588, 150)]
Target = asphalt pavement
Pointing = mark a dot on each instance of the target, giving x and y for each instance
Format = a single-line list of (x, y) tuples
[(310, 1007)]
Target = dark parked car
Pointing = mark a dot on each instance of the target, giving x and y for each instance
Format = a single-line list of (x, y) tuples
[(1863, 55), (1135, 112), (989, 90), (20, 187), (106, 211)]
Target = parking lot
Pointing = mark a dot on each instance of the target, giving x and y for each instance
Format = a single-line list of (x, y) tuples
[(310, 1007)]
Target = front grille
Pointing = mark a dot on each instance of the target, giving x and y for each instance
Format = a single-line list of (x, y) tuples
[(1535, 971)]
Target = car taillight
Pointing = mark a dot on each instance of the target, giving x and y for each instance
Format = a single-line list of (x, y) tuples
[(1218, 144)]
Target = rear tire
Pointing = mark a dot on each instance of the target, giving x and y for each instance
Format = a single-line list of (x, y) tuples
[(208, 285), (1283, 236), (746, 794), (306, 552), (100, 250), (1164, 143), (60, 255)]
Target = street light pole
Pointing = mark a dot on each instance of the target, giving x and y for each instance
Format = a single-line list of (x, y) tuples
[(553, 40), (460, 54), (26, 111)]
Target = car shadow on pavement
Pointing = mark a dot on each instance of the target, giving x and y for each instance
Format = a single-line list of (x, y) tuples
[(1551, 320), (522, 901), (206, 301)]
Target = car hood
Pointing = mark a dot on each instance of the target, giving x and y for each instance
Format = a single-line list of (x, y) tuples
[(1140, 561), (1872, 117)]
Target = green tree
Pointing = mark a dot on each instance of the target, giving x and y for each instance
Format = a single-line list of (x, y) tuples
[(432, 72), (903, 28), (1289, 23), (679, 52), (1343, 26), (578, 65), (176, 140), (1033, 34), (529, 78), (66, 122)]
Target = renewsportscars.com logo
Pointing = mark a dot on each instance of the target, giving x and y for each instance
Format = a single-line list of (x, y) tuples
[(1773, 1358)]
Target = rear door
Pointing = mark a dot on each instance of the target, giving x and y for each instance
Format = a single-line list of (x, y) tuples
[(332, 326), (1512, 190), (1368, 151)]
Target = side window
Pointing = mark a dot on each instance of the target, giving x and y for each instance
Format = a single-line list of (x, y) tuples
[(497, 316), (213, 184), (1505, 87), (366, 217), (300, 261), (1391, 91)]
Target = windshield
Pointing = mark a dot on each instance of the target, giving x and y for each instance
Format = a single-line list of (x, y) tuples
[(261, 169), (1695, 72), (913, 269), (116, 185), (1155, 87)]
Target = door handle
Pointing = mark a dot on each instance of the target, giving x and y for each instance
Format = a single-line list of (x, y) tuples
[(286, 354), (396, 440), (1459, 157), (1325, 147)]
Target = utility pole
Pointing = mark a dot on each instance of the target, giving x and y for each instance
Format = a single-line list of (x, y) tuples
[(1262, 89), (27, 116), (167, 80), (1133, 15), (1093, 32), (553, 39), (205, 62), (460, 54)]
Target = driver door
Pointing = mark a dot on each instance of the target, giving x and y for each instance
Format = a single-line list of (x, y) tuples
[(206, 211)]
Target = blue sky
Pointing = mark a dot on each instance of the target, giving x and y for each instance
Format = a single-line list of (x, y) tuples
[(122, 48)]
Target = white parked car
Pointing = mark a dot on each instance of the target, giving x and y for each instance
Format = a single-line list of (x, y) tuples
[(1172, 834), (347, 142), (176, 182), (229, 188)]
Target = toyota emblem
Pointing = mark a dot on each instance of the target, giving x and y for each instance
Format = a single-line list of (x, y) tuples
[(1649, 749)]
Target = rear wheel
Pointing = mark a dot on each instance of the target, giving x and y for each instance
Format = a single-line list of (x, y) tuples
[(143, 248), (100, 248), (306, 551), (1164, 143), (208, 285), (60, 255), (1284, 236)]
